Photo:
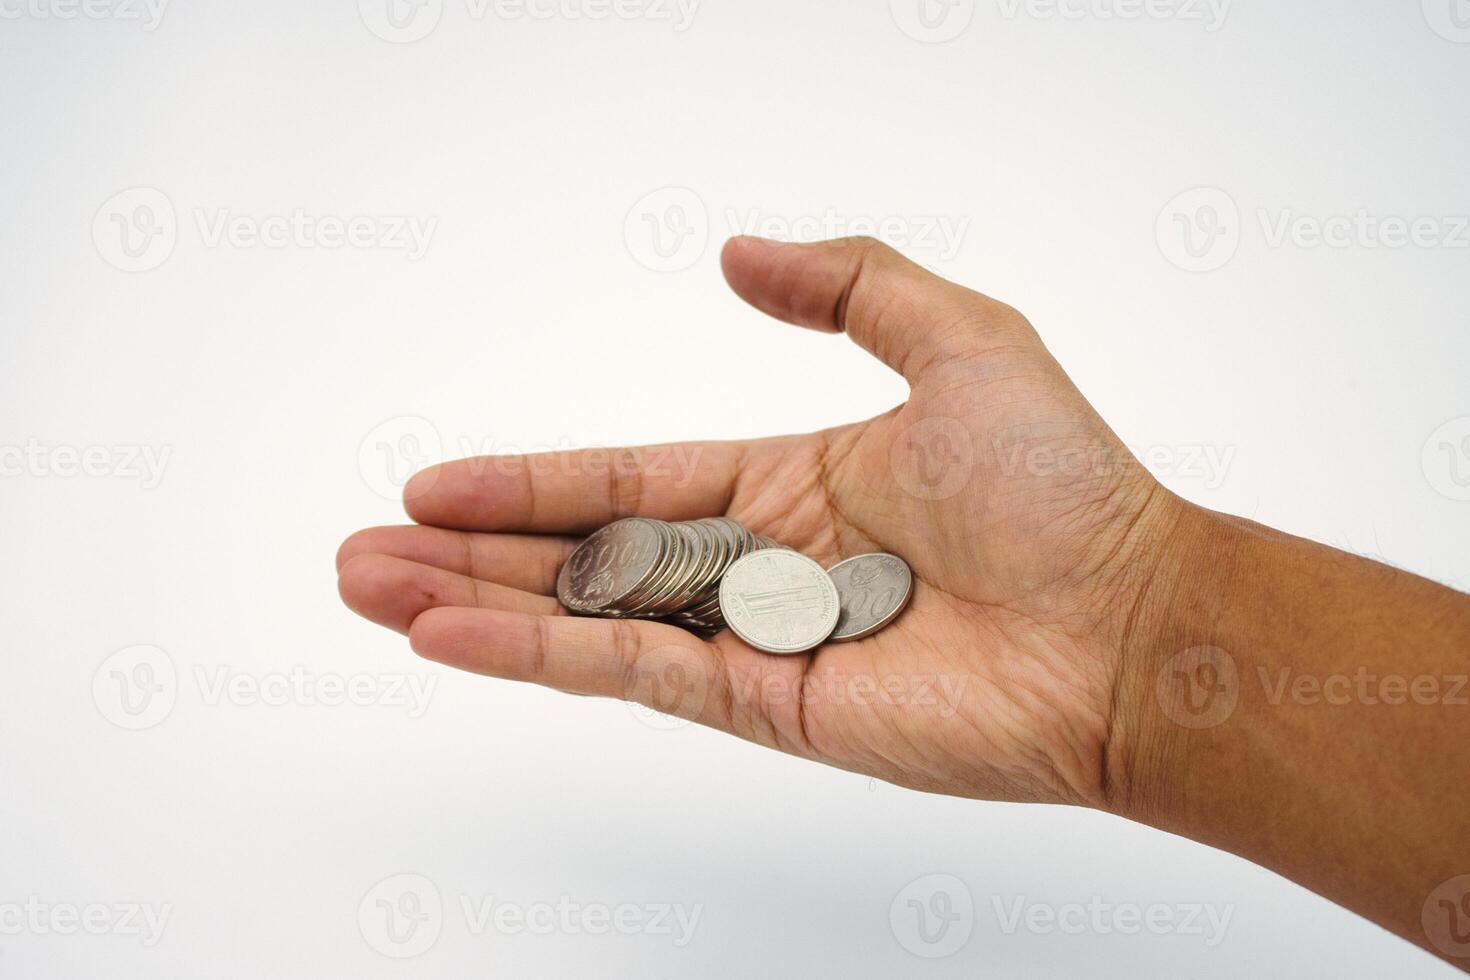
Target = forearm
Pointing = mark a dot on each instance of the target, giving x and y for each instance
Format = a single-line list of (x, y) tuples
[(1306, 709)]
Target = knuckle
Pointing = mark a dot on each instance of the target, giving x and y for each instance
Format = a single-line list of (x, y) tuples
[(625, 484), (990, 319), (1003, 315), (625, 650), (866, 243), (540, 650)]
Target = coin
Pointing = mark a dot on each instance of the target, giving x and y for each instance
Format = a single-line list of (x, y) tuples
[(779, 601), (872, 590), (610, 565)]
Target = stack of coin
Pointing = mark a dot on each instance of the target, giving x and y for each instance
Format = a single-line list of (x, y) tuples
[(640, 568), (708, 574)]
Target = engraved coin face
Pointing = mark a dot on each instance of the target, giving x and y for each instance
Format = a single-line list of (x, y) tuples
[(872, 590), (779, 601), (610, 565)]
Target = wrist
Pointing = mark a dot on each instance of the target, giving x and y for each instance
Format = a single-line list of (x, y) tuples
[(1264, 704), (1173, 679)]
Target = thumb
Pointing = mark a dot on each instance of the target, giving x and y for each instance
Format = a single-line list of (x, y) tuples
[(898, 311)]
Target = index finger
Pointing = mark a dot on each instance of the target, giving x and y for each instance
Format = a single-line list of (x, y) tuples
[(576, 492)]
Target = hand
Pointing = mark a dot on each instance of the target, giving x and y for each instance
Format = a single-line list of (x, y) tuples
[(1060, 595), (1032, 533)]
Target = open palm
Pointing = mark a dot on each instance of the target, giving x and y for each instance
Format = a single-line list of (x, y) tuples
[(1032, 533)]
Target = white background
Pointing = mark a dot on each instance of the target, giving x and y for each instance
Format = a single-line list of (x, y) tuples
[(533, 320)]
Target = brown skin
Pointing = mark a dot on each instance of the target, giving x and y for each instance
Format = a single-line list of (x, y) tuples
[(1055, 581)]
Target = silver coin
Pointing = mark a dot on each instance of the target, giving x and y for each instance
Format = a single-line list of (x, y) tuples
[(610, 565), (668, 556), (873, 590), (698, 581), (779, 601), (666, 580)]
